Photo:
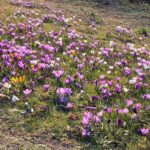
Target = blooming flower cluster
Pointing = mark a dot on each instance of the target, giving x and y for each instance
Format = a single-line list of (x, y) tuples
[(27, 3)]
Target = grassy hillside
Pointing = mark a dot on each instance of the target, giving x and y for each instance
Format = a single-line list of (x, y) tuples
[(74, 75)]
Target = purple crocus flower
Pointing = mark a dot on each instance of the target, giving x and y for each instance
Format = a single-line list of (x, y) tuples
[(136, 107), (138, 85), (32, 83), (5, 79), (95, 82), (20, 64), (86, 118), (110, 83), (96, 119), (129, 102), (45, 87), (119, 122), (60, 91), (125, 111), (85, 121), (146, 96), (63, 91), (27, 92), (34, 70), (63, 99), (58, 73), (94, 98), (108, 110), (118, 88), (144, 131), (69, 106), (68, 79), (118, 79), (127, 71), (85, 132)]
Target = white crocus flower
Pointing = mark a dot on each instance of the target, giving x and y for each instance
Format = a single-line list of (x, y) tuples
[(58, 59), (111, 67), (125, 89), (133, 80), (109, 72), (100, 114), (92, 52), (83, 54), (34, 62), (105, 85), (7, 85), (14, 99), (32, 110), (37, 43), (85, 41), (105, 63)]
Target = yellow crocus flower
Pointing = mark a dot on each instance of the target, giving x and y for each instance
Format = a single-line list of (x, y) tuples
[(73, 52)]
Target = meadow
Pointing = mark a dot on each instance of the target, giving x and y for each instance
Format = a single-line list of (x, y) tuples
[(74, 75)]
